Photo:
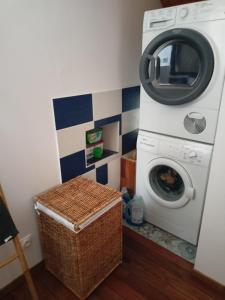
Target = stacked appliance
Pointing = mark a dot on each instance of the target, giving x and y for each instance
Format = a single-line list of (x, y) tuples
[(182, 72)]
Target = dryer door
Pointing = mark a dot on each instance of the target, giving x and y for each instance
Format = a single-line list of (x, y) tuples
[(177, 66), (168, 183)]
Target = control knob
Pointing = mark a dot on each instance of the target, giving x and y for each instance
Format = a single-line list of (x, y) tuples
[(192, 154), (184, 12)]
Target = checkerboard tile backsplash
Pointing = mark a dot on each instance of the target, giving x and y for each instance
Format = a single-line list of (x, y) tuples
[(77, 114)]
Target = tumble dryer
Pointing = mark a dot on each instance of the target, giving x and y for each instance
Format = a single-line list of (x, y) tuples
[(172, 177), (182, 70)]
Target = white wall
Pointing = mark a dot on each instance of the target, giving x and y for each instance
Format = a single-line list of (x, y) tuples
[(210, 258), (53, 48)]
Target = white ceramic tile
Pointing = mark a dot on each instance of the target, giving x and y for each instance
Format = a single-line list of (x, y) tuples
[(111, 136), (72, 139), (90, 175), (114, 173), (130, 120), (107, 104)]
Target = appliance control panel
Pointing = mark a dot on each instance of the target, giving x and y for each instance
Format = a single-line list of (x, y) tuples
[(148, 144), (195, 155), (179, 150), (185, 151), (159, 18), (201, 11), (188, 13)]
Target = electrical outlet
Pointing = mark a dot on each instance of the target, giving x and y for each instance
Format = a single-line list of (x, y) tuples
[(26, 241)]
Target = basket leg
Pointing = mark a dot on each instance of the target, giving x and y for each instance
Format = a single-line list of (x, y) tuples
[(25, 268)]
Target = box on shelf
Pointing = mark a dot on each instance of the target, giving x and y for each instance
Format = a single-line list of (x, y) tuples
[(90, 149), (94, 136), (81, 233)]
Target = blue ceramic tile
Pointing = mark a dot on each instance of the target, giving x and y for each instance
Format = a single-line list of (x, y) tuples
[(129, 141), (72, 111), (73, 165), (130, 98), (109, 120), (102, 174)]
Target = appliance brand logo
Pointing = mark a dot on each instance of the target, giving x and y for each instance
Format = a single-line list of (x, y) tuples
[(176, 31)]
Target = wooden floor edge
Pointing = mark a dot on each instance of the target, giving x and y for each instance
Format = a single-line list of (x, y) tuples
[(215, 285), (20, 280)]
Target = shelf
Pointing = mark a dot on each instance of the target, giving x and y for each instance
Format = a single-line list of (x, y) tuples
[(106, 153), (110, 144)]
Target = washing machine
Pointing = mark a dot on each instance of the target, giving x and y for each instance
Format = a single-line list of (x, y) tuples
[(182, 70), (172, 177)]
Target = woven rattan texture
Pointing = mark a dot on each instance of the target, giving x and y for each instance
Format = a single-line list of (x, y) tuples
[(78, 199), (83, 260)]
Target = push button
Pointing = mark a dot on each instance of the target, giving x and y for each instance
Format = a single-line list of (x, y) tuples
[(192, 154)]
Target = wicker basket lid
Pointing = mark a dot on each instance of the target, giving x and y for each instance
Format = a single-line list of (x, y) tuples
[(78, 199)]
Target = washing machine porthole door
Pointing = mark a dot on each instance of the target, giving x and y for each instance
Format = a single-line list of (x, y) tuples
[(168, 183), (176, 66)]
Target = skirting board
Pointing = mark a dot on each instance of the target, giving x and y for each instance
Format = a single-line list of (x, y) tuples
[(216, 286), (21, 280)]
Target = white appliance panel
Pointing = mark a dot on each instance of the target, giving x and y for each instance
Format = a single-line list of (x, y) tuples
[(194, 158), (207, 18)]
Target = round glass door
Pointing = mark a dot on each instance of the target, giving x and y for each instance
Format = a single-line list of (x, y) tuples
[(177, 66), (168, 183)]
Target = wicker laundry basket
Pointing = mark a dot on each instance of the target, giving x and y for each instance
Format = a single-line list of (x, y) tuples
[(81, 232)]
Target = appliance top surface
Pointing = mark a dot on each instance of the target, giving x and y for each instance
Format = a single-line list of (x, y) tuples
[(188, 13)]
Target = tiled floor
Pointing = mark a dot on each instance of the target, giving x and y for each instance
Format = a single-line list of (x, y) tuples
[(166, 240)]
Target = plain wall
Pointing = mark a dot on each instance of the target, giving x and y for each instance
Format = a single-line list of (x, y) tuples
[(53, 48)]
